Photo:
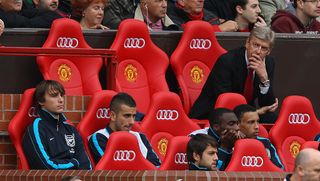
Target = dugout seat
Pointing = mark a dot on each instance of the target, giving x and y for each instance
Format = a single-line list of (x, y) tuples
[(250, 155), (176, 157), (193, 59), (123, 153), (311, 144), (159, 143), (141, 65), (296, 124), (79, 75), (166, 114), (97, 117), (18, 125)]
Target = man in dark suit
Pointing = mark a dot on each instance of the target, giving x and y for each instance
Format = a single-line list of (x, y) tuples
[(246, 70)]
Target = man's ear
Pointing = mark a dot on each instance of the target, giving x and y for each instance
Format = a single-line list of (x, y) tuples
[(300, 170), (36, 2), (113, 116), (239, 10), (196, 157)]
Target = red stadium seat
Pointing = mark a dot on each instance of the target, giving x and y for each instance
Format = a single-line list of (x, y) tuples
[(194, 58), (123, 153), (296, 124), (250, 155), (18, 125), (78, 75), (166, 114), (159, 143), (230, 100), (97, 117), (310, 144), (176, 157), (141, 64)]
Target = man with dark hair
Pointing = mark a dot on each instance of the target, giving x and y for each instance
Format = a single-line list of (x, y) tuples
[(202, 152), (246, 14), (249, 125), (50, 142), (306, 166), (122, 114), (224, 128), (246, 70), (301, 20)]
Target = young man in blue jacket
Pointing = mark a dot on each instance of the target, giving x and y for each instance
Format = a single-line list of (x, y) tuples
[(50, 142)]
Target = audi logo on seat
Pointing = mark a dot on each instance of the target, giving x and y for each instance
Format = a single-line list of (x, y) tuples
[(164, 114), (200, 44), (180, 158), (298, 118), (134, 43), (251, 161), (32, 112), (103, 113), (67, 42), (124, 155)]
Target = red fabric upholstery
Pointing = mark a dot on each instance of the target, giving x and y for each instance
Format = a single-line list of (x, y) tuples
[(250, 155), (193, 59), (141, 64), (229, 100), (123, 153), (19, 123), (97, 117), (289, 132), (310, 144), (159, 143), (176, 157), (79, 75), (166, 114)]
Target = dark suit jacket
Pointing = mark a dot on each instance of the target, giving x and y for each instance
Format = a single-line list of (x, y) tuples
[(229, 75)]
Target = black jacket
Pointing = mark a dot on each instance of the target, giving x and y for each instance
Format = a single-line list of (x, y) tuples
[(54, 144)]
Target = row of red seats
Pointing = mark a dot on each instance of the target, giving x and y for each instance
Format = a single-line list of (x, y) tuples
[(288, 133)]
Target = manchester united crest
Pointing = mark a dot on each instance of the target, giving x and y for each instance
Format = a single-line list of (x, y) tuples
[(294, 148), (64, 72), (130, 72), (162, 146), (196, 74)]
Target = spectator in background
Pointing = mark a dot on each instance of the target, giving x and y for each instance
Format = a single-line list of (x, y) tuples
[(221, 8), (122, 114), (224, 129), (118, 10), (92, 13), (306, 166), (301, 20), (62, 7), (13, 17), (202, 153), (246, 70), (246, 14), (154, 14), (249, 119), (269, 8), (50, 141), (187, 10)]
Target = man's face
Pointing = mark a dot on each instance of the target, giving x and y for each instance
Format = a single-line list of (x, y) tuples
[(258, 47), (208, 158), (249, 124), (229, 121), (311, 171), (51, 5), (157, 9), (11, 5), (53, 102), (192, 6), (311, 8), (251, 11), (124, 119)]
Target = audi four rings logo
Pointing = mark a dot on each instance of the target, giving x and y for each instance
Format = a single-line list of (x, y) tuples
[(32, 112), (124, 155), (200, 44), (134, 43), (251, 161), (67, 42), (167, 114), (299, 118), (180, 158), (103, 113)]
